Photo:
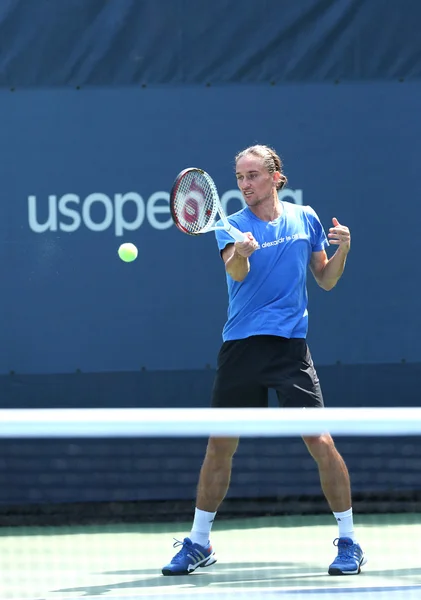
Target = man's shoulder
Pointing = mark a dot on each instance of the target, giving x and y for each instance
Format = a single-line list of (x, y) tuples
[(301, 210), (298, 208), (241, 215)]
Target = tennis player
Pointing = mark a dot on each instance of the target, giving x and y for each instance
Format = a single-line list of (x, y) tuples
[(264, 345)]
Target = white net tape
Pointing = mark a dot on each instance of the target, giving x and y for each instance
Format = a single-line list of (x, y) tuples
[(187, 422)]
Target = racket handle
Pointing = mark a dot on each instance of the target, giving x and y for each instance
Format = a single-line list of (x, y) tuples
[(236, 234)]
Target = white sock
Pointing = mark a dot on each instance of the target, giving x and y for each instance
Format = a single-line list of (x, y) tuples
[(202, 526), (345, 524)]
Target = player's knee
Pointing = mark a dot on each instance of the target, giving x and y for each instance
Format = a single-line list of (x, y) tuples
[(321, 446), (221, 448)]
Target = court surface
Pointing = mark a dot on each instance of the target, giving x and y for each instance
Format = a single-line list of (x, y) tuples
[(282, 558)]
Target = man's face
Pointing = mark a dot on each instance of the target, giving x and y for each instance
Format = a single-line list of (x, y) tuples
[(254, 180)]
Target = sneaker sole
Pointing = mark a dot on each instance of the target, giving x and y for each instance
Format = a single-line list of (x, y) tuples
[(335, 571), (207, 562)]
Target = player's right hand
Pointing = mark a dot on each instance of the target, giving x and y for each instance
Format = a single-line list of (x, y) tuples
[(247, 247)]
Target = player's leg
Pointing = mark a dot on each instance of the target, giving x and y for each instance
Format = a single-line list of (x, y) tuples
[(196, 550), (215, 473), (334, 477), (297, 385), (235, 386), (335, 483)]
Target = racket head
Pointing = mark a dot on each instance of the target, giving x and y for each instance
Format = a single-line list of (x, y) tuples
[(194, 201)]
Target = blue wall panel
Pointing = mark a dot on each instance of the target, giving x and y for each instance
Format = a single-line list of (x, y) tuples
[(350, 151), (147, 333), (128, 42)]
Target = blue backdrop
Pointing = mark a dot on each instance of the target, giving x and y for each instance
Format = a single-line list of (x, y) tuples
[(84, 171), (127, 42), (101, 105)]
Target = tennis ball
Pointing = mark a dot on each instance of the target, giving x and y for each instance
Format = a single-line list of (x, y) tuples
[(127, 252)]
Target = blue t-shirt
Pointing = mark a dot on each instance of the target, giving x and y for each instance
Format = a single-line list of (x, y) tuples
[(272, 299)]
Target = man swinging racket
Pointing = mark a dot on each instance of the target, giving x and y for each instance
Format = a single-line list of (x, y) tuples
[(264, 340)]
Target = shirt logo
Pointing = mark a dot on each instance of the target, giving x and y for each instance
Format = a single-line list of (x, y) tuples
[(287, 238)]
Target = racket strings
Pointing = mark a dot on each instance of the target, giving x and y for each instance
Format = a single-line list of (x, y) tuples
[(194, 203)]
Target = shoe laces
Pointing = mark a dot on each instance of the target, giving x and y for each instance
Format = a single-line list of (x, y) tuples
[(345, 548), (185, 546)]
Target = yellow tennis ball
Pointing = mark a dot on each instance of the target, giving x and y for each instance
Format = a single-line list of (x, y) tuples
[(127, 252)]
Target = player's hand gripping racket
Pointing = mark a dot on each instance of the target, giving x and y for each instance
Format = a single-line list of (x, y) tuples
[(195, 205)]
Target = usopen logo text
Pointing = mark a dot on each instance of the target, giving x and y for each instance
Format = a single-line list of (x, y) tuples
[(120, 211)]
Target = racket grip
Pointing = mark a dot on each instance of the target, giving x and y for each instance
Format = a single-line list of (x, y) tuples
[(236, 234)]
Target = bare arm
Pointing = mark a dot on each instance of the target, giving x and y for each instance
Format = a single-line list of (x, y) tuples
[(236, 258), (236, 266), (327, 272)]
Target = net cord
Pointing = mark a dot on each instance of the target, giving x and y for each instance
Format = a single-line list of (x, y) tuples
[(198, 422)]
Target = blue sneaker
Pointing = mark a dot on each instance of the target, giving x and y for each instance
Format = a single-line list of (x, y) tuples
[(189, 558), (350, 558)]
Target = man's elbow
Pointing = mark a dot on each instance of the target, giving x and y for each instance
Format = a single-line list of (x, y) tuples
[(326, 285), (237, 277)]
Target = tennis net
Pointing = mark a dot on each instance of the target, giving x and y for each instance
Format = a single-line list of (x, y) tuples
[(91, 500)]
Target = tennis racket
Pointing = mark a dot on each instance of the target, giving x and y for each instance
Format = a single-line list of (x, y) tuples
[(195, 205)]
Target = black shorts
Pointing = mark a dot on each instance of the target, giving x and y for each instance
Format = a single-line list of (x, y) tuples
[(248, 368)]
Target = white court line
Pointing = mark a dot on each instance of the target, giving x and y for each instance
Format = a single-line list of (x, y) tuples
[(398, 592)]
